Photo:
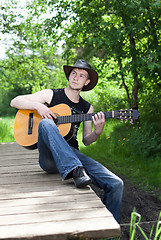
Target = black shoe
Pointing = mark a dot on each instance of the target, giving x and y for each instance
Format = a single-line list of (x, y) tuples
[(81, 179)]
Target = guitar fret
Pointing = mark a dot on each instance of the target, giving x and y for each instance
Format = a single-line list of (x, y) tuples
[(76, 118)]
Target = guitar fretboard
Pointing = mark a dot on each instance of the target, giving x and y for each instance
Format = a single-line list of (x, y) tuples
[(118, 114), (82, 117)]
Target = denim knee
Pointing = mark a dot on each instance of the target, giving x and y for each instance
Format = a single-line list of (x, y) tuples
[(115, 186), (119, 184), (47, 123), (49, 166)]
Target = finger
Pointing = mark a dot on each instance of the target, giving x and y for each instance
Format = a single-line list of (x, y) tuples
[(99, 115), (53, 115), (47, 116), (102, 114), (43, 116), (96, 116)]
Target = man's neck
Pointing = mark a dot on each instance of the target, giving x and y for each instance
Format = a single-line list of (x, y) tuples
[(73, 95)]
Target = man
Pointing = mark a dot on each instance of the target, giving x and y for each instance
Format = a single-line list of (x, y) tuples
[(57, 154)]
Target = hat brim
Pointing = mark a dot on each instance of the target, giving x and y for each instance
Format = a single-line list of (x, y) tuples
[(93, 76)]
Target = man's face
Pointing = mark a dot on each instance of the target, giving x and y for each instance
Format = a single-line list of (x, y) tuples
[(78, 78)]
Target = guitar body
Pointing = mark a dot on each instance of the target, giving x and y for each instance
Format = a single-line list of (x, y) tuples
[(22, 122)]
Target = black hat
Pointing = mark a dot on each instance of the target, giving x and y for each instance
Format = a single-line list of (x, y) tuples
[(93, 76)]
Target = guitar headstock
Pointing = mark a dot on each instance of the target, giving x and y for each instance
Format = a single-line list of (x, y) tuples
[(127, 114)]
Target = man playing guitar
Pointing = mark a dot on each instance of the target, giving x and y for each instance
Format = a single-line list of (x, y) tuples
[(56, 154)]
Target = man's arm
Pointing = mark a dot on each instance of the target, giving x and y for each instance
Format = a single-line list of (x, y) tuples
[(99, 122), (35, 101)]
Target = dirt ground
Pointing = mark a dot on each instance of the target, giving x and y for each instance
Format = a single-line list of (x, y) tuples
[(146, 205)]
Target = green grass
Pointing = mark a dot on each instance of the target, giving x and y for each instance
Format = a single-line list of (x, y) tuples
[(6, 129), (134, 226)]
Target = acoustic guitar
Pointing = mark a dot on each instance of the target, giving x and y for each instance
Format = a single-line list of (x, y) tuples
[(27, 122)]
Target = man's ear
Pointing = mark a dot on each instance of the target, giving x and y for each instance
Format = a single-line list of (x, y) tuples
[(87, 82)]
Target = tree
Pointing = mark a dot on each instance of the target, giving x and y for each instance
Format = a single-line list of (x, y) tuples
[(31, 62), (31, 59), (127, 30)]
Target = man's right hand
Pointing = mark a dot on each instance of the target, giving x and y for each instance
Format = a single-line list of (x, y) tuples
[(45, 112)]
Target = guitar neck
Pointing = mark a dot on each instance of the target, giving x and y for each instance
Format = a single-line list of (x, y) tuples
[(82, 117)]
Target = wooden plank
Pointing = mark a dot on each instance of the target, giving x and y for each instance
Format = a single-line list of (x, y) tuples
[(20, 189), (20, 150), (4, 160), (65, 215), (85, 228), (56, 189), (54, 204), (18, 168), (36, 205), (31, 177), (54, 192), (13, 147)]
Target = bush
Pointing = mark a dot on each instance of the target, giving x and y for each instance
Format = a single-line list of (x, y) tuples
[(3, 130), (5, 98), (6, 130)]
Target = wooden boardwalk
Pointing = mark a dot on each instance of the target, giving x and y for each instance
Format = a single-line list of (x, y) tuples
[(37, 205)]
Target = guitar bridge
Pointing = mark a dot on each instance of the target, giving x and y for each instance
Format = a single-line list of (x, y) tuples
[(30, 124)]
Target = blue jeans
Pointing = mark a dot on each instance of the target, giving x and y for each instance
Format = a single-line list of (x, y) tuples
[(55, 155)]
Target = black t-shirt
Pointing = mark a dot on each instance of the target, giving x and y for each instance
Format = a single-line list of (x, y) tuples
[(82, 106)]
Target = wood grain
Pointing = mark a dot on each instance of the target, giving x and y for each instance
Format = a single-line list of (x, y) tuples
[(36, 205)]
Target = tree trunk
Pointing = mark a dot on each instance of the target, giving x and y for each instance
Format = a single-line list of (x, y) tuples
[(123, 82)]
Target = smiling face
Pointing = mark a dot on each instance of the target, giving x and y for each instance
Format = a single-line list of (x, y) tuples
[(78, 78)]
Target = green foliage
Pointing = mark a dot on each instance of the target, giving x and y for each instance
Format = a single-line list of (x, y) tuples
[(151, 105), (127, 31), (112, 99), (31, 59), (6, 130), (109, 93), (3, 130), (25, 72), (5, 98), (23, 75)]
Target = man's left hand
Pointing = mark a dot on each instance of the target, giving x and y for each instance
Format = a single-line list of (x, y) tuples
[(99, 122)]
